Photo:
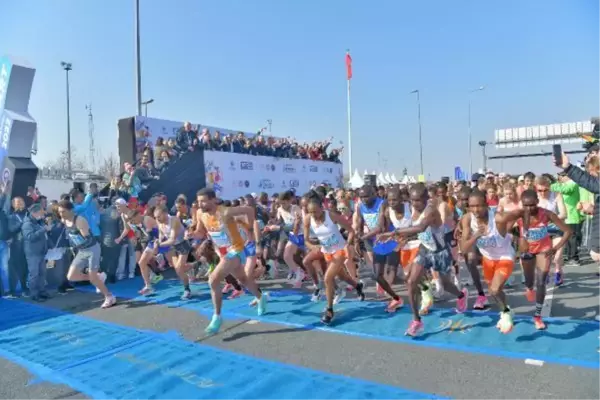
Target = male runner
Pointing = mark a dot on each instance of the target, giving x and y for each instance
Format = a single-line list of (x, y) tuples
[(86, 264), (433, 253), (221, 225), (488, 231)]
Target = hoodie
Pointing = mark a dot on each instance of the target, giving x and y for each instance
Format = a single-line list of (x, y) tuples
[(88, 210), (35, 239)]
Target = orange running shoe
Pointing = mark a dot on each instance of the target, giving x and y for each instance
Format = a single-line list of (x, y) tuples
[(539, 324), (530, 294)]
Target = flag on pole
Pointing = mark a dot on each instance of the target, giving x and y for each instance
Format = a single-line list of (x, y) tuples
[(348, 65)]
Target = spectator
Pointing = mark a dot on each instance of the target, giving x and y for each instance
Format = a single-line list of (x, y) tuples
[(17, 264), (35, 244), (159, 147), (58, 240), (570, 194), (187, 139), (86, 207), (131, 182), (162, 161), (31, 196)]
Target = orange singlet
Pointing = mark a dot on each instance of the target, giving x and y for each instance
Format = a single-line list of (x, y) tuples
[(226, 236)]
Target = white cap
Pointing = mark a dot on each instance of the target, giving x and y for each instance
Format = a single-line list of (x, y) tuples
[(120, 202), (253, 195), (521, 178)]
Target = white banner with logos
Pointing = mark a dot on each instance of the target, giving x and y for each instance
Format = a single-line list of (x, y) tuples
[(234, 175)]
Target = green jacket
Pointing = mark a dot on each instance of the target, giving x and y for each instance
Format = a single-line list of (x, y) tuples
[(588, 197), (570, 193)]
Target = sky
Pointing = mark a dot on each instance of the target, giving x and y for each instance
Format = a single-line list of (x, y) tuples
[(236, 63)]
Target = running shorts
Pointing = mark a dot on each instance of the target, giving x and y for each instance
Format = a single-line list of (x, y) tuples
[(161, 250), (392, 259), (340, 253), (407, 257), (182, 248), (88, 258), (440, 261), (231, 254), (250, 249), (493, 267)]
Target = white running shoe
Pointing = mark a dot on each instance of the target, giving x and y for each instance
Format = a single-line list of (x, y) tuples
[(340, 294), (102, 277)]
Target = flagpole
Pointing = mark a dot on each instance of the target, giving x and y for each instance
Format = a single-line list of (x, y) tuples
[(349, 134)]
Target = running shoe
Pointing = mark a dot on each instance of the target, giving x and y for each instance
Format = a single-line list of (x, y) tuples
[(146, 291), (290, 276), (297, 282), (109, 301), (558, 279), (380, 291), (102, 277), (510, 281), (505, 324), (327, 317), (480, 303), (426, 301), (235, 294), (214, 326), (457, 282), (157, 278), (187, 294), (262, 304), (530, 294), (414, 329), (393, 305), (316, 295), (340, 294), (462, 304), (539, 324), (227, 288)]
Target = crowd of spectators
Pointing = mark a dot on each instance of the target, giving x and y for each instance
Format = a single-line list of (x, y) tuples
[(188, 139)]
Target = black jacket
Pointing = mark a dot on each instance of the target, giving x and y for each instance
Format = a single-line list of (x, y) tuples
[(592, 184)]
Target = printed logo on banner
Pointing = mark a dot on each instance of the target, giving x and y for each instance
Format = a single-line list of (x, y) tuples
[(246, 165), (268, 167), (294, 183), (329, 170), (313, 168), (247, 183), (283, 185), (304, 168), (6, 175), (232, 166), (266, 184), (5, 127), (289, 168)]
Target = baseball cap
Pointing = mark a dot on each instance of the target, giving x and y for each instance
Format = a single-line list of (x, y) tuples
[(521, 178), (120, 202)]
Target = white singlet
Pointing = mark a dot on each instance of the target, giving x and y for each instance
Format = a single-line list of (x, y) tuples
[(328, 235), (427, 238), (492, 245), (405, 222), (288, 217)]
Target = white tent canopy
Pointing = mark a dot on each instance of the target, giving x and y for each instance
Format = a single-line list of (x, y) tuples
[(356, 181)]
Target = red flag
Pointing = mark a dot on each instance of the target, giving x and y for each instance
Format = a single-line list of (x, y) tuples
[(348, 65)]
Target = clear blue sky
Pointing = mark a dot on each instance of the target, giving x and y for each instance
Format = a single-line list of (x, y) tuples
[(235, 64)]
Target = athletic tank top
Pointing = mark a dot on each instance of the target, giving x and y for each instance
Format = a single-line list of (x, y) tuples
[(223, 235), (404, 222), (537, 236), (76, 239), (328, 235), (370, 214), (165, 230), (288, 217), (430, 238), (492, 245), (311, 232)]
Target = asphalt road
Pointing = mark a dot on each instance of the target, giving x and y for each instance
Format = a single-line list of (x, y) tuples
[(443, 372)]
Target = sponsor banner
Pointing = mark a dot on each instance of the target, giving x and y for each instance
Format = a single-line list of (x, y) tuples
[(234, 175)]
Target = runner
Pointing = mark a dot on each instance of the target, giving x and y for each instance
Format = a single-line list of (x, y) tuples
[(486, 230), (537, 246), (433, 253), (333, 246), (446, 207), (366, 221), (221, 225), (86, 264), (313, 261), (172, 235), (289, 216)]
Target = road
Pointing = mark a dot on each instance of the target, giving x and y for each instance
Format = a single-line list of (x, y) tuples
[(80, 352)]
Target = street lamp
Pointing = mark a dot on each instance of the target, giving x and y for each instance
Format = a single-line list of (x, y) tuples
[(269, 122), (479, 89), (145, 104), (483, 143), (420, 132), (68, 67)]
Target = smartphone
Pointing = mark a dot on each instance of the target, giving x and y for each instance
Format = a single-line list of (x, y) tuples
[(557, 152)]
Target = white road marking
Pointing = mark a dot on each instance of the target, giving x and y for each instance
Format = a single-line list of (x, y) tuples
[(252, 322), (531, 361)]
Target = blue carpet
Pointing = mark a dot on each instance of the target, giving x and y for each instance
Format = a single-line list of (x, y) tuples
[(571, 342), (108, 361)]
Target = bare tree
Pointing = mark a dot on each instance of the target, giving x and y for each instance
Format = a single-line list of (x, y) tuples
[(60, 165), (109, 166)]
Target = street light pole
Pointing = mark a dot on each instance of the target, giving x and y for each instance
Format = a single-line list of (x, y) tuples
[(68, 67), (420, 131), (480, 88), (269, 122), (138, 62)]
